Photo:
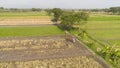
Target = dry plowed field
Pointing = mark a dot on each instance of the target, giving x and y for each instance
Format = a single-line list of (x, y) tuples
[(25, 21), (46, 52)]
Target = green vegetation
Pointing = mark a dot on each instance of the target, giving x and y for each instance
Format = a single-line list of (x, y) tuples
[(102, 35), (115, 10), (104, 17), (57, 13), (21, 14), (106, 28), (69, 19), (30, 31)]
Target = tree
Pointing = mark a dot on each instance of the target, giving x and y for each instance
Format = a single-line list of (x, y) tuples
[(1, 8), (114, 10), (68, 19), (49, 11), (35, 9), (81, 18), (57, 13)]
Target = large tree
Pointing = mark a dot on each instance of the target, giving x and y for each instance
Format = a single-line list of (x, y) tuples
[(68, 19), (57, 13), (49, 12), (114, 10), (81, 18)]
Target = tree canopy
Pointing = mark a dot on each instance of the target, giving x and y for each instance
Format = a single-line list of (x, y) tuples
[(115, 10), (57, 13), (68, 19)]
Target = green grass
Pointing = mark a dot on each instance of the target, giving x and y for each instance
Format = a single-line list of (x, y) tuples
[(105, 28), (104, 18), (30, 31)]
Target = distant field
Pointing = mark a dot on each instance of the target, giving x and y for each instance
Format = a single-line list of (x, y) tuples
[(104, 17), (24, 18), (19, 14), (105, 28), (30, 31)]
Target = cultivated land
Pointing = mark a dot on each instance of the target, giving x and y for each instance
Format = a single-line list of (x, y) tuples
[(105, 28), (25, 46), (52, 52), (102, 36), (15, 31), (24, 18)]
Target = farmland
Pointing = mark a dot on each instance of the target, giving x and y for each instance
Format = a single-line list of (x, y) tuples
[(52, 52), (31, 40), (75, 62), (21, 14), (105, 28), (102, 35), (15, 31), (24, 18)]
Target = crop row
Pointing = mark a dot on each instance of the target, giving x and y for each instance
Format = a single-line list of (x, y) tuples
[(34, 44), (71, 62)]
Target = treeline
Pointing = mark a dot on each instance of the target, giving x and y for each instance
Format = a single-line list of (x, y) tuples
[(2, 9), (111, 10), (114, 10)]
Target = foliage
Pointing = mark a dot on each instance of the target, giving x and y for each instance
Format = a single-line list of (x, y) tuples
[(57, 13), (115, 10), (1, 8), (112, 55), (81, 16), (103, 30), (49, 11), (68, 19), (30, 31), (36, 9)]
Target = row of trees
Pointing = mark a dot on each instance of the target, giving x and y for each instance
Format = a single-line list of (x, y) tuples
[(2, 9), (115, 10), (68, 18)]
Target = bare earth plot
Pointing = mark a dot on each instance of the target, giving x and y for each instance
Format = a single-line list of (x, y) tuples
[(54, 50), (38, 48), (25, 21)]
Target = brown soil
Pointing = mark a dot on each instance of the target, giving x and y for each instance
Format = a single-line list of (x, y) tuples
[(37, 48), (22, 52), (32, 21)]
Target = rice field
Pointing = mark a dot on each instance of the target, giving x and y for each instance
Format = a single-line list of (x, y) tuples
[(105, 28), (16, 31)]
